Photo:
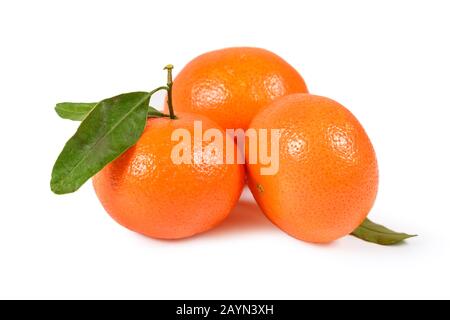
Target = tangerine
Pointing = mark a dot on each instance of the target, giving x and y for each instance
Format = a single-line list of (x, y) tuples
[(328, 175), (231, 85), (145, 191)]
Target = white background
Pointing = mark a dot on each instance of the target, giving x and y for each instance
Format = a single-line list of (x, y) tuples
[(387, 61)]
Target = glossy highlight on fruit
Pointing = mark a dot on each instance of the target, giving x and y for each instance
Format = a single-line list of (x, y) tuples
[(146, 192), (328, 177), (231, 85)]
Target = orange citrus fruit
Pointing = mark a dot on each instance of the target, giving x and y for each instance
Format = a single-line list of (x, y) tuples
[(231, 85), (328, 175), (146, 192)]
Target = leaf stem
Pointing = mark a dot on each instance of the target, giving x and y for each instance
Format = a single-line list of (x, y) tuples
[(157, 90), (151, 109), (169, 69)]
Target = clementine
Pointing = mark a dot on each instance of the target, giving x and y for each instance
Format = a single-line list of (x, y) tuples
[(328, 175), (146, 192), (231, 85)]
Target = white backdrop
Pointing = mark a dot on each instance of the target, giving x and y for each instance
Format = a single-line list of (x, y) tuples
[(387, 61)]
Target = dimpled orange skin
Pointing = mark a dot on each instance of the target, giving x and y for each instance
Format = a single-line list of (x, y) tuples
[(146, 192), (328, 177), (231, 85)]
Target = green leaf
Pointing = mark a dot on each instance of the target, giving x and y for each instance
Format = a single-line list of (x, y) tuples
[(375, 233), (113, 126), (74, 110), (154, 113), (77, 111)]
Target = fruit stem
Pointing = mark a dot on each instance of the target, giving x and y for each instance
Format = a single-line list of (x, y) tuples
[(169, 69)]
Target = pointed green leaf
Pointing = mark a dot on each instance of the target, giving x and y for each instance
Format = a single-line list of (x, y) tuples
[(113, 126), (375, 233), (76, 111), (154, 113)]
